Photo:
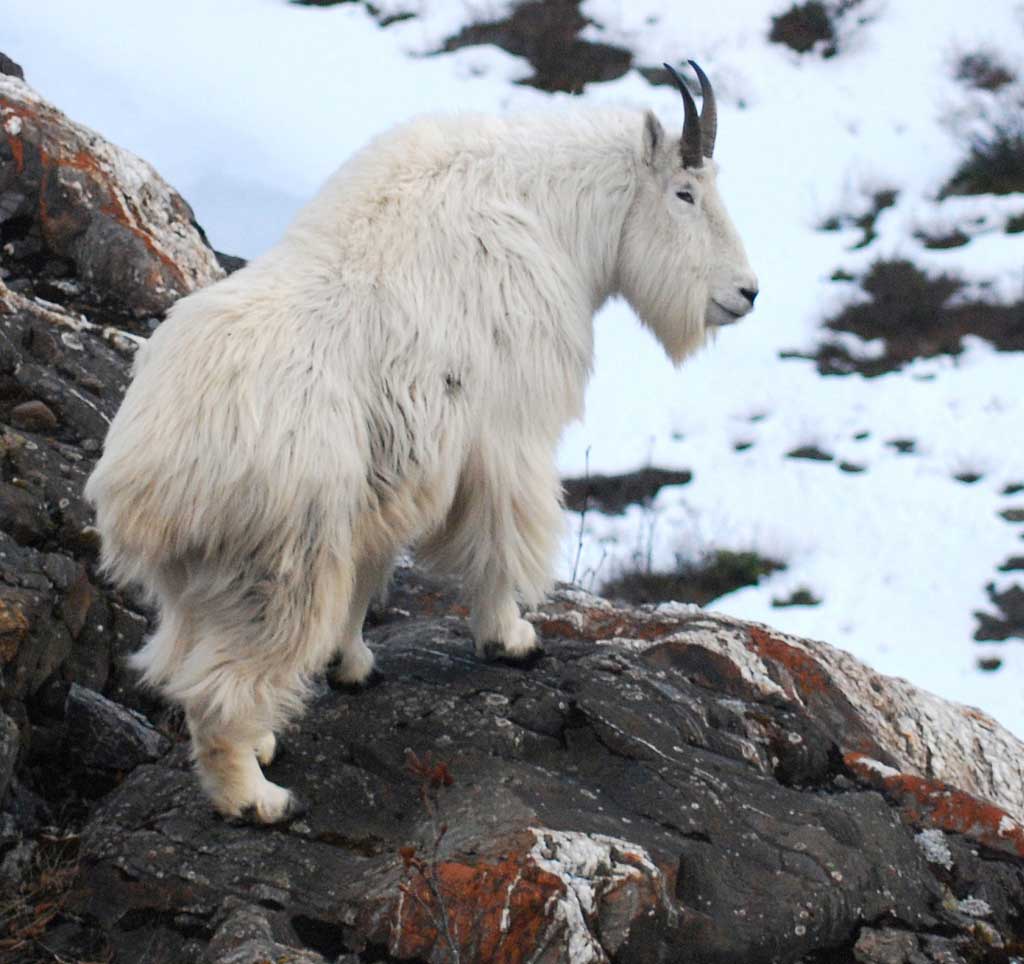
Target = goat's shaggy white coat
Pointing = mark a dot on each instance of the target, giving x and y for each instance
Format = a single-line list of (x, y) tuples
[(395, 372)]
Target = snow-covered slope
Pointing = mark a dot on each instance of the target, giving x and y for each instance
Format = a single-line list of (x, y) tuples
[(246, 105)]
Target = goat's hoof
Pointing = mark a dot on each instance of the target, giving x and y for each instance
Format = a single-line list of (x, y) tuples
[(374, 678), (496, 652), (518, 646), (274, 806), (297, 807), (253, 816)]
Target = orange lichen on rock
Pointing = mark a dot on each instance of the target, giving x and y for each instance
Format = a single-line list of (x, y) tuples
[(494, 911), (14, 627), (805, 671), (934, 804), (596, 624)]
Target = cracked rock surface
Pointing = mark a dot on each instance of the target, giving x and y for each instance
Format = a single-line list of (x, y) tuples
[(626, 799)]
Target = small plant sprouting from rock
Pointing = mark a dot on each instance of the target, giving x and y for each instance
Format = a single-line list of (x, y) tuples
[(432, 777), (37, 905)]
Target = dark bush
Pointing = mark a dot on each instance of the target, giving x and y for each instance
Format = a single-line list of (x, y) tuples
[(983, 71), (995, 164), (803, 26), (913, 313), (696, 582), (612, 494), (880, 200), (799, 597)]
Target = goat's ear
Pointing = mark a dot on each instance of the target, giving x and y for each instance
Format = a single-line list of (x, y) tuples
[(654, 138)]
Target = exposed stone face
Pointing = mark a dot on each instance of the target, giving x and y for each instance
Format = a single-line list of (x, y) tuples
[(126, 231), (661, 780), (8, 751), (100, 733), (53, 615)]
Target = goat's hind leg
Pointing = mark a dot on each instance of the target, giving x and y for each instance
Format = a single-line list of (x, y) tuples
[(259, 642), (229, 771)]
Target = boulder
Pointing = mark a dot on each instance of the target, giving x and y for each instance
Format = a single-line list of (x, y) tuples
[(664, 784), (75, 196), (102, 734)]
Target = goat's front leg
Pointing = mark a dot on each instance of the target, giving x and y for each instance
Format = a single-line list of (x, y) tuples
[(499, 631), (509, 522), (355, 665)]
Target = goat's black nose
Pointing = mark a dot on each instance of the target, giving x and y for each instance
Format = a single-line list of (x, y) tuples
[(749, 293)]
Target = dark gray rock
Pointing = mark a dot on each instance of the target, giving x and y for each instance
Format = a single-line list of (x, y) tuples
[(102, 734), (601, 801), (94, 209), (8, 752), (9, 67), (246, 936), (33, 416), (55, 619)]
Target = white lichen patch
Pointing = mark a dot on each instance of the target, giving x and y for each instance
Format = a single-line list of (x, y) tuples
[(628, 643), (589, 865), (875, 766), (974, 907), (580, 598), (935, 849), (12, 124), (732, 642), (1007, 825)]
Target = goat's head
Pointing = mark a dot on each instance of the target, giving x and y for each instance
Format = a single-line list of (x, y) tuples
[(682, 265)]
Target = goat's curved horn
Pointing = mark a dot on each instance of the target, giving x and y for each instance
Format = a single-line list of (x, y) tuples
[(690, 144), (708, 111)]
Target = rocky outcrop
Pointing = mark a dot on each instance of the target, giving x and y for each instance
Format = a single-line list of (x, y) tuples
[(79, 199), (663, 784), (56, 621)]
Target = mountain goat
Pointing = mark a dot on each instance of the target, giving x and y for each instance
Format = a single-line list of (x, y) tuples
[(395, 372)]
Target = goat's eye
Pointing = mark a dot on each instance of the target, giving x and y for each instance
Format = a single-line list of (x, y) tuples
[(685, 196)]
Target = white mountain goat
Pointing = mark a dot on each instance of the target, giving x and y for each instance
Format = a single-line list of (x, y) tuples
[(395, 372)]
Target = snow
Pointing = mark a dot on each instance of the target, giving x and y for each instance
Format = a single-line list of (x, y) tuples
[(247, 105)]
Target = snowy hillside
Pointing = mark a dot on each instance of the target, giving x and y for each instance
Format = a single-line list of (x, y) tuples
[(890, 489)]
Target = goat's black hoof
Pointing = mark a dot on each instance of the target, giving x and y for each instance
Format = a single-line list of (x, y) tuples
[(374, 678), (495, 652)]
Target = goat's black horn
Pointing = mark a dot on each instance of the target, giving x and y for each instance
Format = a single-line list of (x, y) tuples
[(690, 144), (708, 111)]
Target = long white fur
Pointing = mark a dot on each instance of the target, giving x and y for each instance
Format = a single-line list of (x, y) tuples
[(395, 372)]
